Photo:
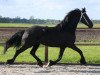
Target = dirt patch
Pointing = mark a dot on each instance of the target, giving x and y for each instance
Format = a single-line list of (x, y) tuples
[(54, 70)]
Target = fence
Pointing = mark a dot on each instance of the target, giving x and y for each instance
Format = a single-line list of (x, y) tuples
[(83, 36)]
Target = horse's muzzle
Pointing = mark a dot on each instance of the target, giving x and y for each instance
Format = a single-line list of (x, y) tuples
[(91, 26)]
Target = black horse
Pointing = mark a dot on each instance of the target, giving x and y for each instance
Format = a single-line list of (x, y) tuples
[(62, 36)]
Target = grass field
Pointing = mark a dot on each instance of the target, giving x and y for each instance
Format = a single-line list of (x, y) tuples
[(91, 53), (50, 25), (21, 25)]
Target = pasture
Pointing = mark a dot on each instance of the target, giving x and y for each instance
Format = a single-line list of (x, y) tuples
[(29, 25), (91, 53)]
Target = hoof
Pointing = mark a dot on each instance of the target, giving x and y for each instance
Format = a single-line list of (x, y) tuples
[(40, 64), (83, 62), (10, 61), (51, 63)]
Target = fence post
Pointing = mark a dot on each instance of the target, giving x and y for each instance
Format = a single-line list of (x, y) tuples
[(46, 54)]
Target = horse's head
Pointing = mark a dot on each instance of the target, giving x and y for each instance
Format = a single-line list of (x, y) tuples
[(75, 16), (85, 19)]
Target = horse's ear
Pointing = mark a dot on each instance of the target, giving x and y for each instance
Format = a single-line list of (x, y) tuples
[(83, 10)]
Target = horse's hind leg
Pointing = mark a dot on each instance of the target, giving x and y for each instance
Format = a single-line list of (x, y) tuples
[(23, 48), (62, 49), (33, 51), (82, 60)]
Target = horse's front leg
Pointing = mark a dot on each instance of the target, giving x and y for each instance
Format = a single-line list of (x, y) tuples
[(82, 60), (59, 57)]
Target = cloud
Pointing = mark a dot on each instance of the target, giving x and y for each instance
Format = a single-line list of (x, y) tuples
[(27, 8), (56, 9)]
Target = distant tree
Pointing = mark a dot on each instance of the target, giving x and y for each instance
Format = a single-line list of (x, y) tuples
[(31, 20), (0, 16)]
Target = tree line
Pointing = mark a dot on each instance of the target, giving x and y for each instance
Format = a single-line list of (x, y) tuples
[(96, 21), (31, 20)]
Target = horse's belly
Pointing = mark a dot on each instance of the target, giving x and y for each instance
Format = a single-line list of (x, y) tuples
[(51, 43), (57, 41)]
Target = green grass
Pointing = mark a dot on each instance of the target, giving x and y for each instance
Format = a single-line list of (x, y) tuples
[(29, 25), (22, 25), (91, 53), (14, 25), (84, 26)]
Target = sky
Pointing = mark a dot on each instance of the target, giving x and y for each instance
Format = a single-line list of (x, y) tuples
[(47, 9)]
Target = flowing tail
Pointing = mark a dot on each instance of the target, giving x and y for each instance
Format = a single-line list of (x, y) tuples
[(15, 40)]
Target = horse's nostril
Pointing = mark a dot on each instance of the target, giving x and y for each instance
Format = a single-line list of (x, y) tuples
[(91, 26)]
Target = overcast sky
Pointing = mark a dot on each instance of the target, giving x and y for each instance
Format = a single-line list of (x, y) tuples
[(47, 9)]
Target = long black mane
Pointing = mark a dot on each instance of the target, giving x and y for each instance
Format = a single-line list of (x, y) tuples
[(71, 13), (66, 21)]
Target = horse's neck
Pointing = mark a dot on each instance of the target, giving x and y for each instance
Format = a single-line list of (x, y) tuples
[(68, 27), (72, 26)]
